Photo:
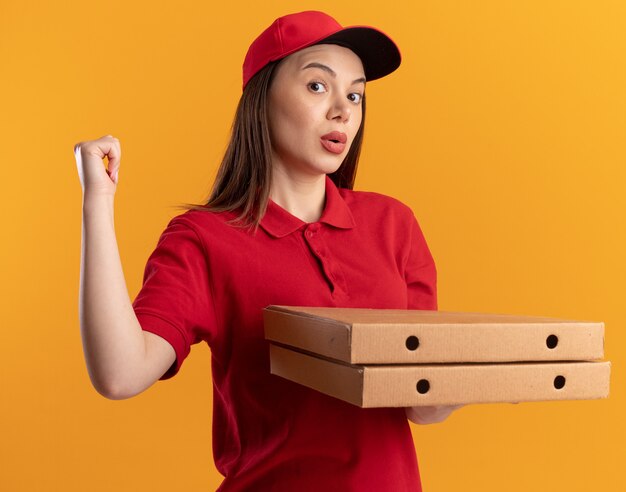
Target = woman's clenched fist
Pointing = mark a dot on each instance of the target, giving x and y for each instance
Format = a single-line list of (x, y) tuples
[(94, 177)]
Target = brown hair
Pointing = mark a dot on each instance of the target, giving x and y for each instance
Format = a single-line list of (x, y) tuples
[(244, 176)]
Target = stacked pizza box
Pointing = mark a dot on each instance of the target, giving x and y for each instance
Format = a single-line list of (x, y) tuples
[(400, 358)]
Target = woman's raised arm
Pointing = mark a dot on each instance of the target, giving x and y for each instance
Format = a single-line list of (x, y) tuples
[(122, 359)]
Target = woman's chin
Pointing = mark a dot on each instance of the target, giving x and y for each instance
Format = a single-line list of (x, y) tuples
[(330, 167), (313, 168)]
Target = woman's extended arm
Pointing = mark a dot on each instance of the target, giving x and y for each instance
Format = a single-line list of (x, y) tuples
[(122, 359)]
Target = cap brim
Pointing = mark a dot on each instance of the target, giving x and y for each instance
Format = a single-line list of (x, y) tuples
[(379, 54)]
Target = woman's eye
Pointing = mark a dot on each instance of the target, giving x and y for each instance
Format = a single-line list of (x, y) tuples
[(355, 97), (317, 86)]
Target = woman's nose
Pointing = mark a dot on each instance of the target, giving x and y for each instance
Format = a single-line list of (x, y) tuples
[(340, 110)]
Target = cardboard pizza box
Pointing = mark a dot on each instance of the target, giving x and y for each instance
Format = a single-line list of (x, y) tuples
[(383, 336), (442, 384)]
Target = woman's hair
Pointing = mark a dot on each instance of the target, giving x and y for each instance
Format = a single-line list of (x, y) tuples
[(245, 174)]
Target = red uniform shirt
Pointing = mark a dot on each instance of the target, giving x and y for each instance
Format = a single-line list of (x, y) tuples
[(209, 281)]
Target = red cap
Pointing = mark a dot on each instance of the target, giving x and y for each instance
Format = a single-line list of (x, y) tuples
[(378, 53)]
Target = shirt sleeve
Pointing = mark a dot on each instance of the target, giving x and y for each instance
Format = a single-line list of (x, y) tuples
[(175, 300), (420, 271)]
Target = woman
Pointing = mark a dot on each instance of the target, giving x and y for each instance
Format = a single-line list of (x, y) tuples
[(282, 226)]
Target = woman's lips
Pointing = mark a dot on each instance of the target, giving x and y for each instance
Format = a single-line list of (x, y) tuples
[(334, 142)]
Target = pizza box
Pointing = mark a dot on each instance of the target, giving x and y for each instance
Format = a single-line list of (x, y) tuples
[(395, 336), (406, 385)]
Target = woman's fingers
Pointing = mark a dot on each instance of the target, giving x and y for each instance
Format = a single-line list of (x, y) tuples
[(431, 414), (89, 157)]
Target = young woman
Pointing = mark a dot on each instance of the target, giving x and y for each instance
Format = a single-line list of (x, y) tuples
[(282, 226)]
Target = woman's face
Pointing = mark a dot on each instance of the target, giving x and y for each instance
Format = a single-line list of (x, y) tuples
[(315, 109)]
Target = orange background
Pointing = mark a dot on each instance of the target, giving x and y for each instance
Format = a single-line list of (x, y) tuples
[(504, 130)]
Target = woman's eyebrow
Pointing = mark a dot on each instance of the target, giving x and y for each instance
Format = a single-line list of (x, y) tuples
[(330, 71)]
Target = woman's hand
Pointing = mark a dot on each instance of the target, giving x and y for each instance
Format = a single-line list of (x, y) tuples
[(94, 178), (430, 414)]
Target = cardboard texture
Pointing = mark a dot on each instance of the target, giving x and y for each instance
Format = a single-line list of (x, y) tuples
[(376, 336), (416, 385), (402, 358)]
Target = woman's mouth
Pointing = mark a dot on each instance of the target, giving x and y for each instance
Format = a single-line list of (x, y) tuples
[(334, 142)]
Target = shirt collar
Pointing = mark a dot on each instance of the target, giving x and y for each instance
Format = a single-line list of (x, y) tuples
[(279, 223)]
